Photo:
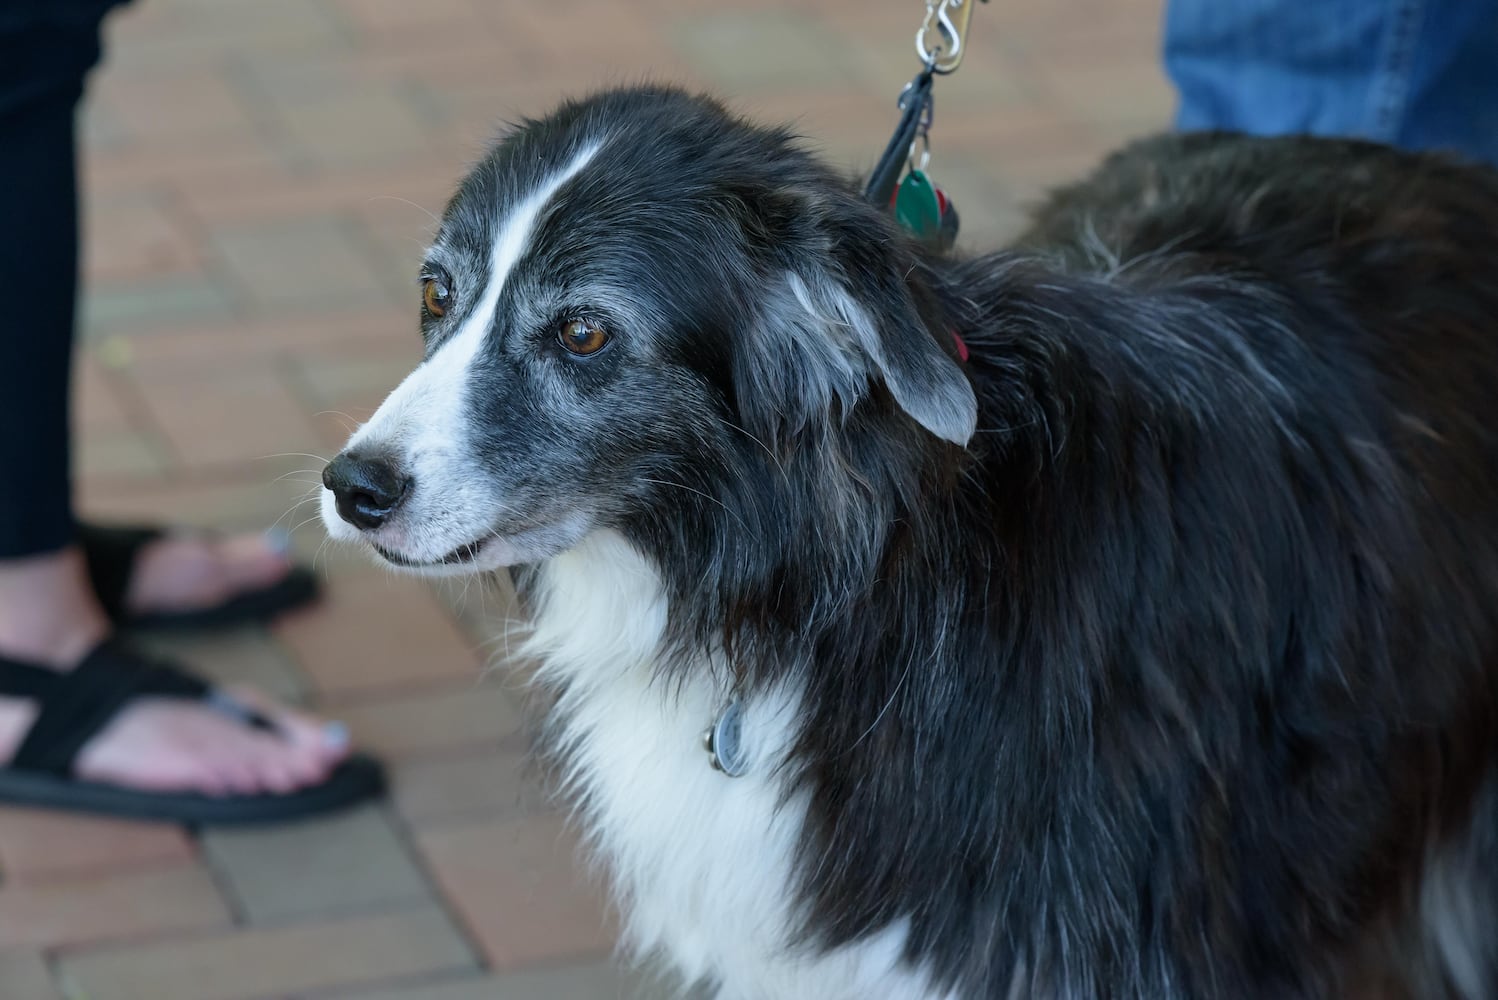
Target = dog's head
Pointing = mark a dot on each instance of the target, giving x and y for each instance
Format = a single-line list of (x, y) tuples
[(614, 290)]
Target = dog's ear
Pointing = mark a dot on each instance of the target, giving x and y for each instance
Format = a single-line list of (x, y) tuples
[(840, 314)]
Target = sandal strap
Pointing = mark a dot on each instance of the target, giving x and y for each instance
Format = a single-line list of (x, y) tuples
[(74, 706), (111, 553), (23, 680)]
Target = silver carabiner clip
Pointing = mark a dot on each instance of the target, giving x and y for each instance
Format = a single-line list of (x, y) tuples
[(948, 21)]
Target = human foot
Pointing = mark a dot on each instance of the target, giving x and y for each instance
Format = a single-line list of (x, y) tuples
[(187, 572), (49, 617), (162, 745)]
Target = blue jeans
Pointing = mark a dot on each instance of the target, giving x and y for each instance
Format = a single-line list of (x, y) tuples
[(1422, 74)]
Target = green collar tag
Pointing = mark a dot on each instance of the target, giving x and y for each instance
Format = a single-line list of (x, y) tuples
[(917, 206)]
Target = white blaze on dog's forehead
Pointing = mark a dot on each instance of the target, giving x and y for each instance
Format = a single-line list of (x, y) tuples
[(426, 404)]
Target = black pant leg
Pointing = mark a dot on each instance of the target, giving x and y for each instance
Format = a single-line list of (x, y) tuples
[(42, 68)]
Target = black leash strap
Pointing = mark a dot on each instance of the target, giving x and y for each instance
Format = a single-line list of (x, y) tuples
[(915, 105)]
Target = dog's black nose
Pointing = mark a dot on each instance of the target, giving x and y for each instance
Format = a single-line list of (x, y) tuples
[(367, 490)]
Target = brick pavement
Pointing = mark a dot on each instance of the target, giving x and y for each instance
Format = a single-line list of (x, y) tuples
[(260, 181)]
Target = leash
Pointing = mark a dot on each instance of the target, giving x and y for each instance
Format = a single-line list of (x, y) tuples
[(919, 204)]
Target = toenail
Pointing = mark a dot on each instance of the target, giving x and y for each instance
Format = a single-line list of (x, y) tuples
[(278, 540), (335, 735)]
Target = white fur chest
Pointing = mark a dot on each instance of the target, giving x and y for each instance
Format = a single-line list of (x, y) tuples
[(701, 862)]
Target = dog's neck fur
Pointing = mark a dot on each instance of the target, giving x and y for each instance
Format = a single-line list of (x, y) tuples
[(704, 865)]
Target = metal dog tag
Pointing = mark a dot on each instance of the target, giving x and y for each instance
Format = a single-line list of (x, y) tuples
[(725, 743)]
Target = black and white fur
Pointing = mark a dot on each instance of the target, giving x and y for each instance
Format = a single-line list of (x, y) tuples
[(1150, 653)]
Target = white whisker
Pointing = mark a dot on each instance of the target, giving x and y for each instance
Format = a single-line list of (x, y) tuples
[(705, 496)]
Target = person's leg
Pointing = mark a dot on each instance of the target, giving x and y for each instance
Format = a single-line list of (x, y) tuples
[(39, 87), (42, 69), (48, 613), (1421, 74)]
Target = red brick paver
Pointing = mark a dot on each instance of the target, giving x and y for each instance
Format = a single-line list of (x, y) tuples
[(105, 907), (24, 975), (35, 844), (431, 722), (245, 964), (541, 905), (261, 181), (378, 631)]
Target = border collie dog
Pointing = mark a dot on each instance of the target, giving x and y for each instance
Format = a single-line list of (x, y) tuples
[(1115, 615)]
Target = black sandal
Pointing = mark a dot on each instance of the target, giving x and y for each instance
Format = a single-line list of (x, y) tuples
[(74, 706), (111, 556)]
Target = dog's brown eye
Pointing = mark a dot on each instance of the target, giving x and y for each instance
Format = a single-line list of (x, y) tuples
[(434, 294), (581, 337)]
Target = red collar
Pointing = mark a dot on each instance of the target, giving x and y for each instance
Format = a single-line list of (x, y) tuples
[(961, 347)]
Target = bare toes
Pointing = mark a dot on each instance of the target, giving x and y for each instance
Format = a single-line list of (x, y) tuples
[(314, 738), (164, 746), (188, 572), (279, 779), (252, 561)]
